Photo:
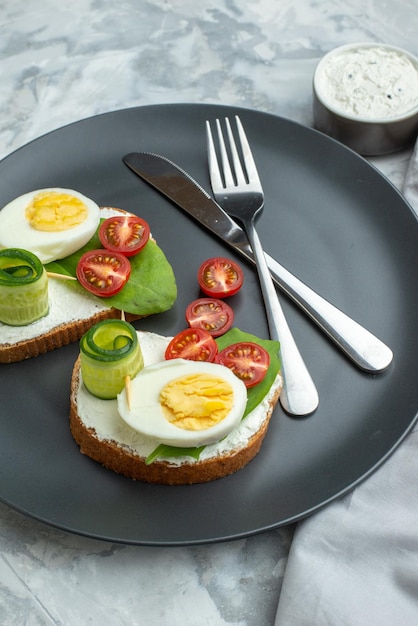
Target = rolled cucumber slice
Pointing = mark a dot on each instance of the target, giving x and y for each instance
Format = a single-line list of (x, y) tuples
[(109, 352), (23, 287)]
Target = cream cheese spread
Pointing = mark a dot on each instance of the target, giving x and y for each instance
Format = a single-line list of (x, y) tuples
[(369, 82), (68, 303)]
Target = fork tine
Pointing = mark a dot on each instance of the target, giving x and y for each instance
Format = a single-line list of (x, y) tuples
[(218, 179), (215, 173), (229, 179), (239, 172), (250, 165), (237, 177)]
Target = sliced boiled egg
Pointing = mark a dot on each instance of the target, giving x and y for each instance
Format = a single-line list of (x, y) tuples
[(51, 223), (184, 403)]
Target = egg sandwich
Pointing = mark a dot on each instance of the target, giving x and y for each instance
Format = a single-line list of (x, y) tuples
[(59, 226), (187, 421)]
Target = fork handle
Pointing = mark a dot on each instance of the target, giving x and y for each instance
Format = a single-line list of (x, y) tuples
[(299, 395)]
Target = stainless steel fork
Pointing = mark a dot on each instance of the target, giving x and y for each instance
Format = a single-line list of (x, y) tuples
[(241, 195)]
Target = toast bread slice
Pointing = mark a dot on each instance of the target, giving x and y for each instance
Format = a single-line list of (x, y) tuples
[(104, 437)]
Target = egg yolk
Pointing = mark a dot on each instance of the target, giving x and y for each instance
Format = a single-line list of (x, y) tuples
[(196, 401), (54, 211)]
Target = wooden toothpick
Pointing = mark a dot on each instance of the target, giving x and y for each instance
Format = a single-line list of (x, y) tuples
[(128, 391), (62, 276)]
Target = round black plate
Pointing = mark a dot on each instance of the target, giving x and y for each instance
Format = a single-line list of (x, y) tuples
[(330, 218)]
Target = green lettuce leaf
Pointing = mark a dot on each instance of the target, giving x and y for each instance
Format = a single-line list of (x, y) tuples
[(150, 289), (255, 394), (163, 450)]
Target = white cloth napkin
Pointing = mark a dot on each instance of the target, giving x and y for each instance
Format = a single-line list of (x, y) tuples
[(355, 562)]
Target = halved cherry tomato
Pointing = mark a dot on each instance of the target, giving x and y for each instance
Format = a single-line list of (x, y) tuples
[(193, 344), (247, 360), (220, 277), (103, 272), (126, 234), (213, 315)]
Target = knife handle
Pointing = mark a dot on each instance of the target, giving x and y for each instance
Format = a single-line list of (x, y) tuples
[(366, 350)]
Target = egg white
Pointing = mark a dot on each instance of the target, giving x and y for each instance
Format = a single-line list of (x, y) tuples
[(16, 232), (146, 414)]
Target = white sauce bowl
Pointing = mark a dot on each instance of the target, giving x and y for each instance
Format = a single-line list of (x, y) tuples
[(366, 96)]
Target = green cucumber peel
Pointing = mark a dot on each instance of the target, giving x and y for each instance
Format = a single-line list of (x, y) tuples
[(151, 287), (19, 267), (255, 395), (109, 340)]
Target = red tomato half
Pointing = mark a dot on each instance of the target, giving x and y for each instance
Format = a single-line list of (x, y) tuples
[(247, 360), (220, 277), (102, 272), (193, 344), (126, 234), (213, 315)]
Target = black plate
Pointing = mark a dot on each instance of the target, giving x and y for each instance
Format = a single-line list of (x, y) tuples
[(329, 217)]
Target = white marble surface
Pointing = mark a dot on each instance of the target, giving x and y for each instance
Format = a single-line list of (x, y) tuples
[(61, 62)]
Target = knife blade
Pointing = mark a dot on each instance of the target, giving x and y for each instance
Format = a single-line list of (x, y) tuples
[(367, 351)]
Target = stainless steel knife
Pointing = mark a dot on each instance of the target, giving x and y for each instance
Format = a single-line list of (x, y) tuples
[(361, 346)]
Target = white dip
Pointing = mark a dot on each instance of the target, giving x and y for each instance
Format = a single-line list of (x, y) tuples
[(368, 82)]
